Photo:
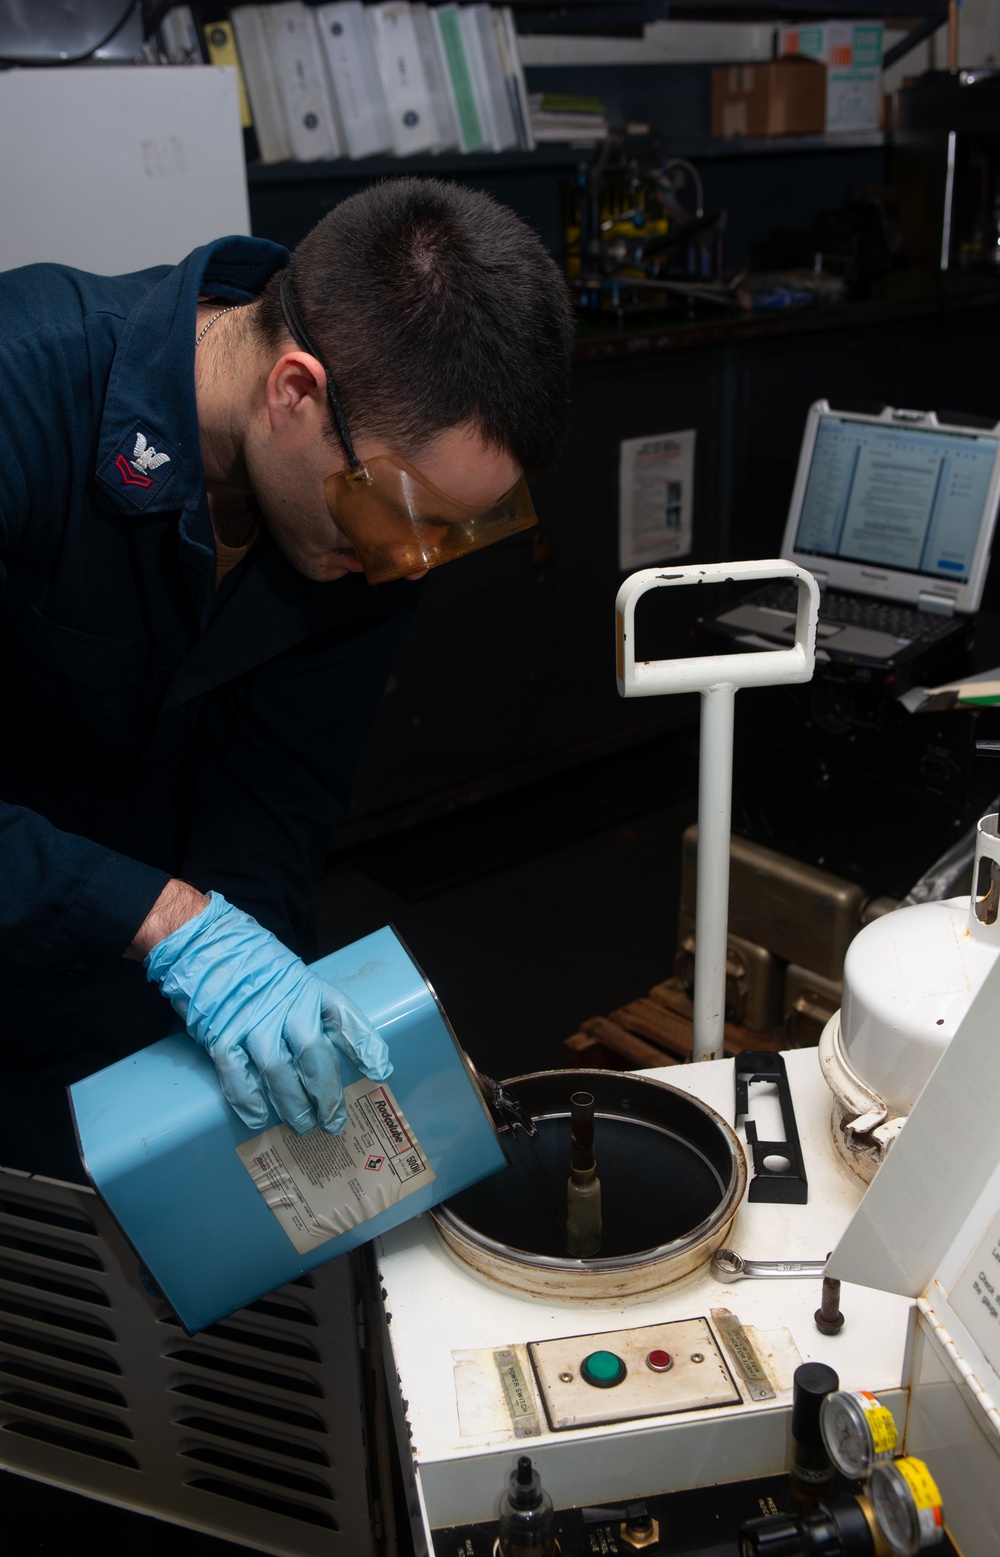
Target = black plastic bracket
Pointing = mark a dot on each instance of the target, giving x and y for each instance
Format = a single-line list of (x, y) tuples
[(781, 1186)]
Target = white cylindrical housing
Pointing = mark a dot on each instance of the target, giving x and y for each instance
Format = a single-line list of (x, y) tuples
[(909, 979)]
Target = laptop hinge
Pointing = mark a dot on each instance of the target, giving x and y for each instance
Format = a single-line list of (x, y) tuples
[(941, 605)]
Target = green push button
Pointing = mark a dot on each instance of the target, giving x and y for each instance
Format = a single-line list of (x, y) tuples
[(603, 1369)]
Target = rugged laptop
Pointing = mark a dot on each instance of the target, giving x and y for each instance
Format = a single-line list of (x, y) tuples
[(893, 512)]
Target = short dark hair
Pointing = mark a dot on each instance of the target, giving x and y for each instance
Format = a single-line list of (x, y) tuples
[(434, 305)]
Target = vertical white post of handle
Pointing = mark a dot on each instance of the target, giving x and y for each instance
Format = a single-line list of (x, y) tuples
[(715, 807), (717, 677)]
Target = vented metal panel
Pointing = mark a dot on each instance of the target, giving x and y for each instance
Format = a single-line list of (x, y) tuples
[(253, 1430)]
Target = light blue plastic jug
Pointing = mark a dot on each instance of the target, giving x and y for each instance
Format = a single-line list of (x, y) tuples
[(221, 1214)]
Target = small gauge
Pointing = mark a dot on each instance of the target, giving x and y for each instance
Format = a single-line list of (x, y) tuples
[(907, 1506), (858, 1431)]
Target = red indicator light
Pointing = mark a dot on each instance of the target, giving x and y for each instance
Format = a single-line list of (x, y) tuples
[(659, 1361)]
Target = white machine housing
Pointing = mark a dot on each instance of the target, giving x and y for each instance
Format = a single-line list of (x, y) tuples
[(919, 1255), (446, 1323), (909, 979), (929, 1229)]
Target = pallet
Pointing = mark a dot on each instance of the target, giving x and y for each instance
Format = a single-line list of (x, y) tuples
[(655, 1030)]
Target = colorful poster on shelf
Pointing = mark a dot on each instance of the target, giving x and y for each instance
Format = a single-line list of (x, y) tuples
[(655, 503)]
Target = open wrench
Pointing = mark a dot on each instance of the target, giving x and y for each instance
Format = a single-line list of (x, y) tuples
[(728, 1266)]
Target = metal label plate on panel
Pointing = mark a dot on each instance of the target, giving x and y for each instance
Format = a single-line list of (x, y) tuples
[(516, 1393), (697, 1376), (741, 1349)]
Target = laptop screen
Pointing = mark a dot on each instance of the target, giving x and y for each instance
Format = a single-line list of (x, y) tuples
[(911, 499)]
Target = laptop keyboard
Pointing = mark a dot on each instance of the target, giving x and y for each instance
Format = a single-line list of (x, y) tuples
[(901, 621)]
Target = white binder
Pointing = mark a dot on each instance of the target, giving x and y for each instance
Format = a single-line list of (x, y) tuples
[(411, 112), (302, 87), (353, 78), (487, 75), (254, 49), (436, 72)]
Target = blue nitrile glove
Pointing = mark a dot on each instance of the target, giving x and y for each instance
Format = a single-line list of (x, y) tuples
[(271, 1026)]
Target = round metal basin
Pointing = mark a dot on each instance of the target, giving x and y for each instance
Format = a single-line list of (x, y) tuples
[(672, 1175)]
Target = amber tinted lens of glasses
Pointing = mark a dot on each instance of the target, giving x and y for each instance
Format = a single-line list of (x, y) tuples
[(399, 524)]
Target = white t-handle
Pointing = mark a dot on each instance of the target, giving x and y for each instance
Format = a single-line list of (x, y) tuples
[(717, 677)]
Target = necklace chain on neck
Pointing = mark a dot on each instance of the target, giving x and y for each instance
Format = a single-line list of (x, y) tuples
[(206, 327)]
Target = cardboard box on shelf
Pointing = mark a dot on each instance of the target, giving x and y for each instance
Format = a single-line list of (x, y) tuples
[(779, 97), (852, 54)]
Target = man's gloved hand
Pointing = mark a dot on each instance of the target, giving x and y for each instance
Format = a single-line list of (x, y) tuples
[(271, 1026)]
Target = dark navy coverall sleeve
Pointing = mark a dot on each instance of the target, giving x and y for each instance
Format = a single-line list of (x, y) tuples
[(149, 728), (67, 905)]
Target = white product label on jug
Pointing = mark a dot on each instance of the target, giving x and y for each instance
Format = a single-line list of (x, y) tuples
[(320, 1185)]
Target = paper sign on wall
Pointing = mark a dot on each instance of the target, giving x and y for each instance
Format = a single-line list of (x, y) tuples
[(656, 485)]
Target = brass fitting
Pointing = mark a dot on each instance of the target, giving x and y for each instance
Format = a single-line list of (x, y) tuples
[(639, 1530)]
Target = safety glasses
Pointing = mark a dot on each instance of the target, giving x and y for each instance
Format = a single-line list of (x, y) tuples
[(395, 519)]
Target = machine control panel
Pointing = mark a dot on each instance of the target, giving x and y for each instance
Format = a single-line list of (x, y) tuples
[(585, 1380)]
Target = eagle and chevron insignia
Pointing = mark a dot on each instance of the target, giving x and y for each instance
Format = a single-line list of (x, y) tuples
[(140, 466), (145, 457)]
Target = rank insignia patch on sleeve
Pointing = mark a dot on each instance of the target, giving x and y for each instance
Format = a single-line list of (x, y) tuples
[(140, 467)]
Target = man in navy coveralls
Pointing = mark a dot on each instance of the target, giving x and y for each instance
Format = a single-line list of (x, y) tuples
[(194, 630)]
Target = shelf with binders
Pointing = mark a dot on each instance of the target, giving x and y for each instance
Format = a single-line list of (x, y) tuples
[(557, 154), (440, 164)]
